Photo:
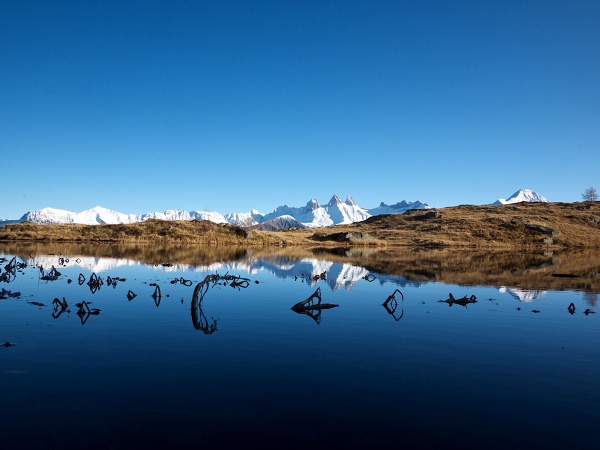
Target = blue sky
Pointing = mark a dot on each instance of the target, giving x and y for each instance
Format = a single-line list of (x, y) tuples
[(226, 106)]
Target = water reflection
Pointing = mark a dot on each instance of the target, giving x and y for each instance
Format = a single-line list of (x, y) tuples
[(299, 269), (530, 271), (591, 298), (385, 354), (524, 295)]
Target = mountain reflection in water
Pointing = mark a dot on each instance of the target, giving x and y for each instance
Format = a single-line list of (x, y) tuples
[(578, 270), (155, 347)]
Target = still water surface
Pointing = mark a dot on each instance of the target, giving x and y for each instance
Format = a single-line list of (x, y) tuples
[(239, 367)]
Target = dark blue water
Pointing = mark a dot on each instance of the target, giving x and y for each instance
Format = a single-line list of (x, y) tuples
[(244, 370)]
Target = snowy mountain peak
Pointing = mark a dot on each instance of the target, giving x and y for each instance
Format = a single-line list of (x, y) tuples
[(350, 201), (334, 201), (522, 195), (312, 204)]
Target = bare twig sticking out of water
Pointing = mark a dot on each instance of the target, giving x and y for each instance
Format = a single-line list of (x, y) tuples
[(311, 308), (157, 295), (95, 283), (10, 271), (84, 311), (60, 306), (182, 281), (198, 318), (113, 281), (321, 276), (52, 275), (391, 305), (464, 301)]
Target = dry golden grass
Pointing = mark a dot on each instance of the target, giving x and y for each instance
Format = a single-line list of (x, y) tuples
[(575, 225), (521, 226), (149, 232)]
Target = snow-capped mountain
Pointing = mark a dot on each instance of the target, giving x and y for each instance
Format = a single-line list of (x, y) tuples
[(315, 215), (244, 219), (99, 215), (280, 223), (398, 208), (312, 215), (522, 195)]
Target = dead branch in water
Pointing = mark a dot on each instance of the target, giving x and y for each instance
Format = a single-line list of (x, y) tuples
[(312, 309), (464, 301), (199, 320), (391, 305)]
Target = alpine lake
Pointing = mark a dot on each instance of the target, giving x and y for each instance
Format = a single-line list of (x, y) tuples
[(121, 347)]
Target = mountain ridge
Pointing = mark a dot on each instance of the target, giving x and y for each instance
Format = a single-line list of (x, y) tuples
[(311, 215)]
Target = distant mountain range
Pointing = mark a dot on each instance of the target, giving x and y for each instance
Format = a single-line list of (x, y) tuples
[(312, 215)]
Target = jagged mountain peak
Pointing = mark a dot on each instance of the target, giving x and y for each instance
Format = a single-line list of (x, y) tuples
[(313, 204), (334, 201)]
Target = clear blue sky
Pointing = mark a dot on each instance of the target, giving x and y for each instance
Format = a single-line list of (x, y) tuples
[(142, 106)]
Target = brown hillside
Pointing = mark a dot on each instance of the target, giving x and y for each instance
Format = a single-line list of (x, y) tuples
[(201, 232), (520, 226)]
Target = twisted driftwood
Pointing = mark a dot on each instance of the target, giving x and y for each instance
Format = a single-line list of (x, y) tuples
[(157, 295), (52, 275), (199, 320), (463, 301), (311, 308), (95, 283), (60, 306), (84, 311), (391, 305)]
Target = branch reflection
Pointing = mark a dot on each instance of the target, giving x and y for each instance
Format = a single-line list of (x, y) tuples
[(199, 320), (311, 308), (84, 311), (391, 305)]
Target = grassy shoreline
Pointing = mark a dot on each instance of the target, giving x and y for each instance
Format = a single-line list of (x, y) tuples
[(520, 226)]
